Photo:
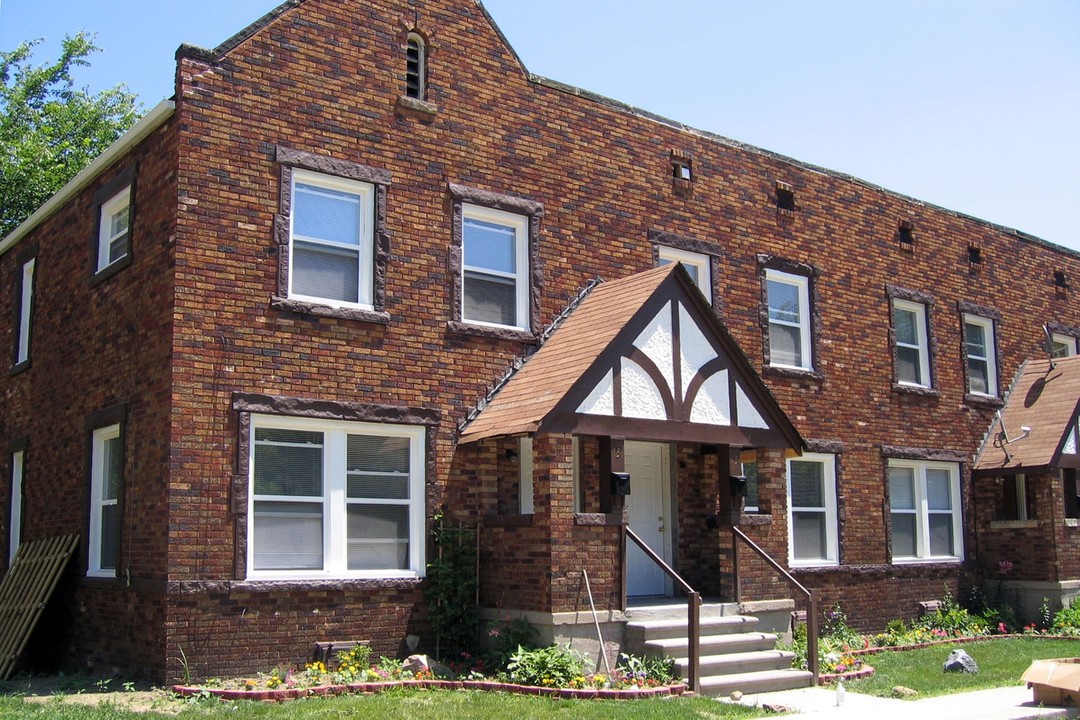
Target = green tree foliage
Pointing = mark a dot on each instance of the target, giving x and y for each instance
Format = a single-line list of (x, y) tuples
[(49, 130)]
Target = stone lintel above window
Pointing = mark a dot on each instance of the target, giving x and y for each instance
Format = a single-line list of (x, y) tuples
[(971, 308), (929, 454), (684, 242), (916, 296)]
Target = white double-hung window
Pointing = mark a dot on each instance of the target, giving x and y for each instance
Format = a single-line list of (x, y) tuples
[(331, 255), (495, 268), (1062, 345), (925, 511), (981, 355), (335, 499), (15, 525), (26, 312), (789, 320), (698, 265), (912, 343), (812, 536), (114, 231), (106, 477)]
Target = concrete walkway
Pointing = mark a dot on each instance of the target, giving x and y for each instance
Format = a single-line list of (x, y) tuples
[(1011, 703)]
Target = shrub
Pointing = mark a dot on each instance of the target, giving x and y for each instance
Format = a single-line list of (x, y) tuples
[(951, 620), (1067, 621), (553, 666)]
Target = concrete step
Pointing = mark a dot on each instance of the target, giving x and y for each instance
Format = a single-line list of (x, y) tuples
[(675, 609), (641, 631), (711, 644), (735, 663), (755, 682)]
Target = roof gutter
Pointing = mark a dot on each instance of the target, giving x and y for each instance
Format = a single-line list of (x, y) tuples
[(147, 124)]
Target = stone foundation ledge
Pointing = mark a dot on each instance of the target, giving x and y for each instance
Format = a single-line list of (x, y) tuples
[(284, 694)]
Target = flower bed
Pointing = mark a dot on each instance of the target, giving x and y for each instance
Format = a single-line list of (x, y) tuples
[(367, 688)]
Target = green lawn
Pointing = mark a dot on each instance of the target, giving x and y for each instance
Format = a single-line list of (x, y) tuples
[(1001, 663), (427, 704)]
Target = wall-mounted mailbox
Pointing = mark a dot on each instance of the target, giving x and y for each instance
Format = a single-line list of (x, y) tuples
[(738, 486), (620, 483)]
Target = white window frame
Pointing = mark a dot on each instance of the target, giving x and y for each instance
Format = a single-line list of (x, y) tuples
[(923, 341), (26, 307), (832, 545), (18, 459), (109, 209), (699, 261), (1059, 342), (525, 478), (335, 497), (365, 192), (990, 341), (801, 283), (520, 225), (97, 501), (922, 512)]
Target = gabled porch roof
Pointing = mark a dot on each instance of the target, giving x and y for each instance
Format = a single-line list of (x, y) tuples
[(642, 358), (1044, 399)]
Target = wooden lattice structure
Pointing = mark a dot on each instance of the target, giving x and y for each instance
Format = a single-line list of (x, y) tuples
[(25, 590)]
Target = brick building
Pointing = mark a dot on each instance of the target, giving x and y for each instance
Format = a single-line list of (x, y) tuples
[(264, 339)]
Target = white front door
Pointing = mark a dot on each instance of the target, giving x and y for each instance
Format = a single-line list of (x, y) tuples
[(648, 507)]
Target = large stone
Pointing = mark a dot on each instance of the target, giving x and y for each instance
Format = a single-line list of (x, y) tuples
[(420, 663), (960, 661)]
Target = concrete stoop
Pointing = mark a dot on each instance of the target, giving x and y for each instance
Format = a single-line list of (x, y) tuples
[(734, 654)]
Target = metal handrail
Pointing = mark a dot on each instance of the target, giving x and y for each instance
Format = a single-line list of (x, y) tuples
[(693, 611), (812, 613)]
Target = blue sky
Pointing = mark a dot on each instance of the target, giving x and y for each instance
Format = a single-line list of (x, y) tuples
[(969, 104)]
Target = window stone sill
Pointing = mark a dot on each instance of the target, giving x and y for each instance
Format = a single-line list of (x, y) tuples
[(307, 308), (615, 519), (793, 373), (916, 391), (755, 518), (414, 105), (110, 270), (461, 328), (19, 367), (1014, 524), (986, 401)]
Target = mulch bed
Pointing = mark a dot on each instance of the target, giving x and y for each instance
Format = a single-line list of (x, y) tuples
[(283, 694)]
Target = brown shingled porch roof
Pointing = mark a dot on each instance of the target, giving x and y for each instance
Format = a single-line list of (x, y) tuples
[(597, 342), (1044, 398)]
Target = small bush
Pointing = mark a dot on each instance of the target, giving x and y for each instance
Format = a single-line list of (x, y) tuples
[(1067, 621), (553, 666)]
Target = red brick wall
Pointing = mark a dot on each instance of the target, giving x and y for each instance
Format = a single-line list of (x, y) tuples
[(325, 78), (94, 346)]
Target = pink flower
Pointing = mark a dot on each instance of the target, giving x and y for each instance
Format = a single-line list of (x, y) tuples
[(1001, 628)]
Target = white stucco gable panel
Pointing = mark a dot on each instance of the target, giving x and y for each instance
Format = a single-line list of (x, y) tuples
[(696, 349), (601, 400), (749, 417), (640, 396), (657, 342), (712, 405)]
